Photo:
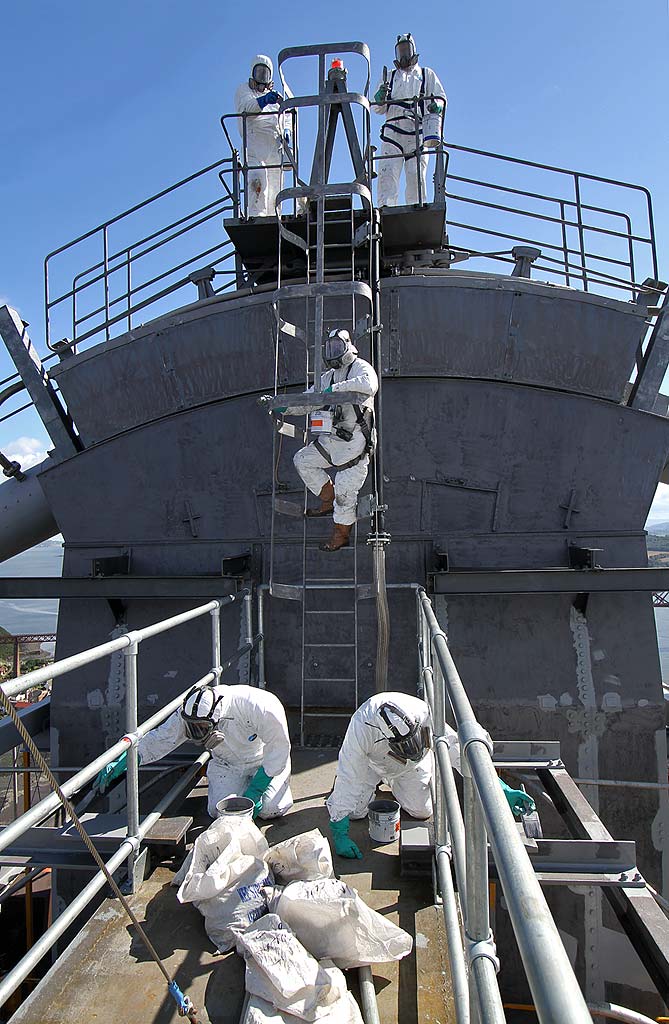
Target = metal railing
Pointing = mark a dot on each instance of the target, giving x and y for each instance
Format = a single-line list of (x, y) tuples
[(107, 291), (463, 839), (129, 850)]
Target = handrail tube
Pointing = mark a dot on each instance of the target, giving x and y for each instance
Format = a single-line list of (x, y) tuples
[(552, 982), (487, 989), (48, 805), (20, 972), (459, 982), (59, 668), (159, 277)]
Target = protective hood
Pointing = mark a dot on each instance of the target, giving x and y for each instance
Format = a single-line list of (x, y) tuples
[(201, 711), (339, 350), (258, 73), (406, 55), (407, 739)]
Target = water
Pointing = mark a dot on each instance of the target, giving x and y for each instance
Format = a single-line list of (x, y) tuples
[(34, 616)]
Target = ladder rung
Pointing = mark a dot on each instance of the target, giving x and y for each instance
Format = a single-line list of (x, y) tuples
[(328, 679), (330, 645)]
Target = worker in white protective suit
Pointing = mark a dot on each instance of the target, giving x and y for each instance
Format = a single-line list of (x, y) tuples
[(265, 135), (389, 739), (246, 731), (347, 447), (394, 99)]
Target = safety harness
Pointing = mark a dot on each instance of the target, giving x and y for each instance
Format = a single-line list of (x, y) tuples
[(407, 106), (364, 419)]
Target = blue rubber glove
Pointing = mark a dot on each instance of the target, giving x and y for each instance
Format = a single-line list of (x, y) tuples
[(343, 843), (255, 789), (519, 801), (112, 771)]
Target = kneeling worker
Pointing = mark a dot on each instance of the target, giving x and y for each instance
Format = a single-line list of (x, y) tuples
[(347, 448), (246, 731), (388, 739)]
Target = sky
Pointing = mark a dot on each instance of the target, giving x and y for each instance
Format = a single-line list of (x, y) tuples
[(103, 104)]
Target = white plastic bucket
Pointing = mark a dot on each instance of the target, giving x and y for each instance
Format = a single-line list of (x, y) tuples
[(432, 130), (235, 806), (320, 422), (384, 821)]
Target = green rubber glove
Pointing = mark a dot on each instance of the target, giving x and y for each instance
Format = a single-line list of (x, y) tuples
[(280, 410), (381, 94), (112, 771), (519, 801), (343, 843), (434, 106), (328, 389), (255, 789)]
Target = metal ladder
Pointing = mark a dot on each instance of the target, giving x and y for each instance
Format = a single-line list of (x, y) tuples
[(338, 288)]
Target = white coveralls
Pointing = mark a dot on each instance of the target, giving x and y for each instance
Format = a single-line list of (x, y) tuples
[(398, 135), (263, 148), (365, 760), (312, 466), (251, 731)]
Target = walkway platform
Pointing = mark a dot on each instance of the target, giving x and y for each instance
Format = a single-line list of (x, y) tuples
[(104, 976)]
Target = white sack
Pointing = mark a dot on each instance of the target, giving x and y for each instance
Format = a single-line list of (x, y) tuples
[(330, 920), (224, 877), (301, 858), (344, 1011), (281, 971)]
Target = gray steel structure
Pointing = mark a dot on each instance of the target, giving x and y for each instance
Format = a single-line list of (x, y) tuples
[(510, 439)]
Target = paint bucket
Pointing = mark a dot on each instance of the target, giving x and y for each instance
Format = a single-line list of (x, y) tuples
[(384, 821), (432, 130), (235, 807)]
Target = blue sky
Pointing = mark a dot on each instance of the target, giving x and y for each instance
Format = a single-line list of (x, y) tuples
[(104, 104)]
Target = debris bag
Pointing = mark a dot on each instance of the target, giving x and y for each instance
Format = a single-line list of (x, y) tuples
[(225, 877), (281, 971), (203, 874), (344, 1011), (331, 920), (301, 858)]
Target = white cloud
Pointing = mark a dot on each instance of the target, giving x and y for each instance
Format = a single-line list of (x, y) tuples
[(29, 451), (659, 510)]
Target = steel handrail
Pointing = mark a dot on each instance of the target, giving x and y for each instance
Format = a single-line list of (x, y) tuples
[(555, 990)]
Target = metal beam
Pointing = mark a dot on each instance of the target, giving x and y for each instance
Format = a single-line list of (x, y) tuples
[(35, 718), (184, 588), (51, 411), (641, 918), (551, 581)]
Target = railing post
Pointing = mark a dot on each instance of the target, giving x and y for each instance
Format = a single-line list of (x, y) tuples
[(247, 628), (261, 675), (484, 991), (136, 860), (216, 642)]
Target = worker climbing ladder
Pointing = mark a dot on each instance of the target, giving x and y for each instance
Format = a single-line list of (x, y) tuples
[(336, 238)]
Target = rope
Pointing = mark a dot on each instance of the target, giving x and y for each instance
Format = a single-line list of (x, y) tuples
[(185, 1006)]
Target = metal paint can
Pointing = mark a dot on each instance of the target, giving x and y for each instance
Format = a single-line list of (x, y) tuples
[(320, 422), (235, 807), (384, 821)]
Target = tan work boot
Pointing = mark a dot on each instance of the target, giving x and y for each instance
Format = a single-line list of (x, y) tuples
[(327, 502), (339, 539)]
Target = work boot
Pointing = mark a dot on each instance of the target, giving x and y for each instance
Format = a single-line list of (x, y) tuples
[(327, 502), (339, 539)]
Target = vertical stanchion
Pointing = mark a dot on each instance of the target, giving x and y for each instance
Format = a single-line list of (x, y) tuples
[(484, 991), (261, 631), (216, 642), (247, 620), (30, 938), (132, 776)]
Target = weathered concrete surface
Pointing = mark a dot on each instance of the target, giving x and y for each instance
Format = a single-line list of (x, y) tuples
[(106, 977)]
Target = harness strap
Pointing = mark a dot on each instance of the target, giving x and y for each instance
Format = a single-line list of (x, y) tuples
[(343, 465)]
